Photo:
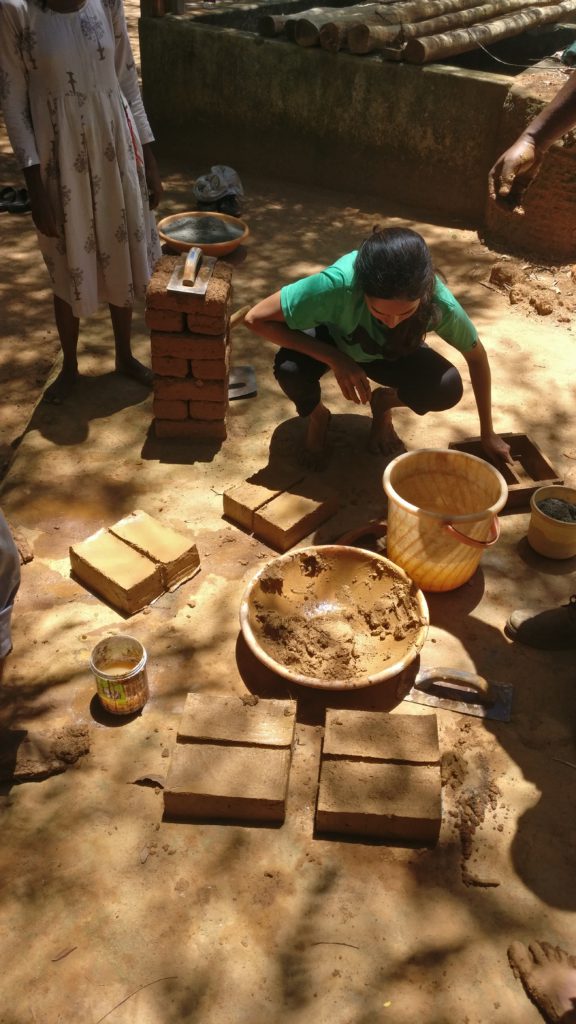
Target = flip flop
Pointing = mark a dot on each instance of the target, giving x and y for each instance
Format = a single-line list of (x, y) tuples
[(242, 382), (7, 196), (21, 202)]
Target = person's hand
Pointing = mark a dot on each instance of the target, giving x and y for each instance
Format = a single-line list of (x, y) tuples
[(512, 173), (153, 179), (40, 205), (354, 383), (43, 215), (496, 448)]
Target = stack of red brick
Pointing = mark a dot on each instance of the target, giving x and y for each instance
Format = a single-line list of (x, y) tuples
[(190, 353)]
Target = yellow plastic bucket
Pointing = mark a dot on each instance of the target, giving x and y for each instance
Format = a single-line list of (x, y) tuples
[(552, 537), (442, 513)]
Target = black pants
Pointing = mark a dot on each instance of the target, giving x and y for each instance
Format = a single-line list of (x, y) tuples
[(423, 380)]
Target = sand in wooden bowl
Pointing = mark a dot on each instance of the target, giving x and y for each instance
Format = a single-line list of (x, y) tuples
[(336, 614)]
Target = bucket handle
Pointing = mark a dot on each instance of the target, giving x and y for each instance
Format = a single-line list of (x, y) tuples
[(471, 541)]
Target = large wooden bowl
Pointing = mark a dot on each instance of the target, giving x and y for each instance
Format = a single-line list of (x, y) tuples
[(172, 231), (334, 617)]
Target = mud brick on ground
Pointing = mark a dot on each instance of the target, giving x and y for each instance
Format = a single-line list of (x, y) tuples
[(213, 305), (116, 572), (290, 516), (412, 739), (268, 723), (203, 430), (399, 802), (242, 501), (175, 554), (190, 346), (231, 759), (238, 783)]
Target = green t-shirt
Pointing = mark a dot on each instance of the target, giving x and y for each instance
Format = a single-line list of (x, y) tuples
[(335, 298)]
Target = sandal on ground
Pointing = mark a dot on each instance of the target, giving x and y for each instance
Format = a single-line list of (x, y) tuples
[(21, 202), (7, 196)]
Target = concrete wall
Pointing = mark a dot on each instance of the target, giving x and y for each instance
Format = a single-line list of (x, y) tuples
[(420, 136)]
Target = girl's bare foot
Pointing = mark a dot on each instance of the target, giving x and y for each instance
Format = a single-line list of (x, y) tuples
[(314, 454), (548, 974), (383, 439), (62, 387), (131, 367)]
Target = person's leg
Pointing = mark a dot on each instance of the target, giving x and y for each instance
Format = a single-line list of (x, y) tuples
[(299, 377), (9, 583), (423, 381), (126, 363), (553, 629), (67, 326), (548, 974)]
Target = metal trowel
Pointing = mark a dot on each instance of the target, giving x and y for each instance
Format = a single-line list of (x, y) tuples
[(465, 692), (192, 273)]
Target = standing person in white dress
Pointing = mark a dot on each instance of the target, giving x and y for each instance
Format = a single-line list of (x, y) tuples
[(77, 125)]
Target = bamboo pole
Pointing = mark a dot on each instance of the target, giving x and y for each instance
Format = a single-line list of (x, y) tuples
[(368, 37), (333, 34), (449, 44), (270, 25), (420, 10)]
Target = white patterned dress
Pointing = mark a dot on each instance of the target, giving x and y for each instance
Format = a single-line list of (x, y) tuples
[(72, 104)]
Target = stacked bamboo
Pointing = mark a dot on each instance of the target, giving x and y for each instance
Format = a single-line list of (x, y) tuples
[(417, 31)]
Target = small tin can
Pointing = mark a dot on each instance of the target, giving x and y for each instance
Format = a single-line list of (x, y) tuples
[(119, 667)]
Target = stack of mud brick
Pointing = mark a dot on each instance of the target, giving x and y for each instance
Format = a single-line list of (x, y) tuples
[(190, 341)]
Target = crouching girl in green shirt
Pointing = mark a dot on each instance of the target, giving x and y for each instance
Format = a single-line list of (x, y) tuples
[(365, 318)]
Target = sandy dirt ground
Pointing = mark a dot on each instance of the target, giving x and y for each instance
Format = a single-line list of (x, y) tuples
[(111, 913)]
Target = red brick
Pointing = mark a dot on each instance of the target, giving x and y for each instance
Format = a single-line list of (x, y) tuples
[(164, 410), (207, 410), (199, 324), (189, 346), (164, 320), (201, 429), (210, 369), (168, 366), (190, 389)]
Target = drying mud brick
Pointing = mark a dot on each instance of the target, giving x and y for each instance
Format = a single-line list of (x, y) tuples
[(204, 430), (115, 571), (364, 735), (169, 366), (167, 410), (233, 782), (213, 305), (291, 516), (269, 723), (190, 389), (189, 346), (398, 802), (164, 320), (176, 555), (243, 500)]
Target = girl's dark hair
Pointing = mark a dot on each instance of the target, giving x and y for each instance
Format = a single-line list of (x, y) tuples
[(395, 263)]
